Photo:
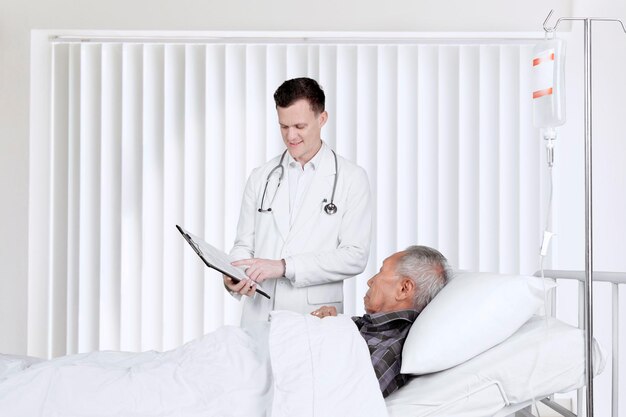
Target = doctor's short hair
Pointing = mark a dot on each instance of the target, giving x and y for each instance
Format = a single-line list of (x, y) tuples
[(428, 269), (301, 88)]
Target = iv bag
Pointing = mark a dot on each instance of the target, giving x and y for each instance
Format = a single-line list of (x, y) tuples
[(548, 82)]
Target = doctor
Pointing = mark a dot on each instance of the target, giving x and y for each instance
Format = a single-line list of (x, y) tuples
[(305, 220)]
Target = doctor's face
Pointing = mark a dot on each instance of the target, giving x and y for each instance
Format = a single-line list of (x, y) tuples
[(301, 130), (384, 287)]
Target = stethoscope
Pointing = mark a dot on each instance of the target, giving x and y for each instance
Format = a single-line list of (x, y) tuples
[(330, 208)]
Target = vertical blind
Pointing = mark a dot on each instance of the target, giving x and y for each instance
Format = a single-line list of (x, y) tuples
[(145, 136)]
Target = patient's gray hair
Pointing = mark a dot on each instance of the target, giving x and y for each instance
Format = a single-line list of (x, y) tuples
[(428, 269)]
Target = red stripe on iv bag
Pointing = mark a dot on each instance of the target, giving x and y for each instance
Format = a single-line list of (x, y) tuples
[(541, 93), (539, 60)]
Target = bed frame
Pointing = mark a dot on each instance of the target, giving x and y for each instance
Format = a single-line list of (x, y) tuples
[(614, 279)]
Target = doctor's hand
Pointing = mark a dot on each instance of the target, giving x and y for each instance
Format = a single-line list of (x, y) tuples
[(243, 287), (324, 311), (258, 270)]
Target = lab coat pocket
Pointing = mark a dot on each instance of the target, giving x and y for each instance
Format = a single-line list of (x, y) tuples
[(325, 293)]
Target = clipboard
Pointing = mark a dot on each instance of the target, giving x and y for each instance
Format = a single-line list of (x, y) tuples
[(216, 259)]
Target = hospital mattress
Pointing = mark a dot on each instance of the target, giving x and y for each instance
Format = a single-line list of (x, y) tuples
[(543, 357)]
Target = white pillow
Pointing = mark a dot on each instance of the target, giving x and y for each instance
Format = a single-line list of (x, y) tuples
[(472, 313)]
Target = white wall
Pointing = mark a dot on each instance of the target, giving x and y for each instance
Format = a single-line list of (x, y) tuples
[(609, 150), (18, 18), (609, 144)]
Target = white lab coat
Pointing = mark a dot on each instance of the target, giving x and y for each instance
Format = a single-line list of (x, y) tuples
[(322, 249)]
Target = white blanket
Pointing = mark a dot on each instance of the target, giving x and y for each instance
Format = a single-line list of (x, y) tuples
[(317, 368), (322, 367)]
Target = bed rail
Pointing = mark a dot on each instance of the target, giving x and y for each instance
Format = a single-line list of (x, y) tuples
[(615, 279)]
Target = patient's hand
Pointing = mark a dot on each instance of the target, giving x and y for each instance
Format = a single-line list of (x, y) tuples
[(324, 311)]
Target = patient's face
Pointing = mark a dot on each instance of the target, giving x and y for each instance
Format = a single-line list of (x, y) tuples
[(383, 287)]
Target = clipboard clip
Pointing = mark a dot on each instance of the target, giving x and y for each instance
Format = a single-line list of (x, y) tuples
[(194, 245)]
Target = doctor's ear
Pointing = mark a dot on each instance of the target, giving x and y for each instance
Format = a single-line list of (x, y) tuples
[(322, 118)]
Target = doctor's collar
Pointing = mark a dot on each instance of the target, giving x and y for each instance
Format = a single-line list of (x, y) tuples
[(313, 162)]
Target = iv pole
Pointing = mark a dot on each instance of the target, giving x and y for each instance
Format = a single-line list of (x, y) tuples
[(588, 320)]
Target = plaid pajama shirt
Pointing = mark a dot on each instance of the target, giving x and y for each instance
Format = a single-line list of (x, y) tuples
[(385, 334)]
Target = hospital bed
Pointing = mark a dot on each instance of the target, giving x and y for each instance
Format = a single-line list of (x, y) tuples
[(545, 356), (304, 366)]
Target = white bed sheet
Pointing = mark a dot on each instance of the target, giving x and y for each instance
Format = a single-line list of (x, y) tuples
[(541, 358)]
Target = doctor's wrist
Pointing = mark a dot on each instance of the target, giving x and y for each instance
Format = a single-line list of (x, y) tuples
[(289, 268), (284, 266)]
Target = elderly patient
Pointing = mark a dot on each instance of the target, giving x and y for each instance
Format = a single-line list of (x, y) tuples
[(405, 284)]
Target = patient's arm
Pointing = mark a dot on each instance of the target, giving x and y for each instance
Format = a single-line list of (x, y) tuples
[(324, 311)]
